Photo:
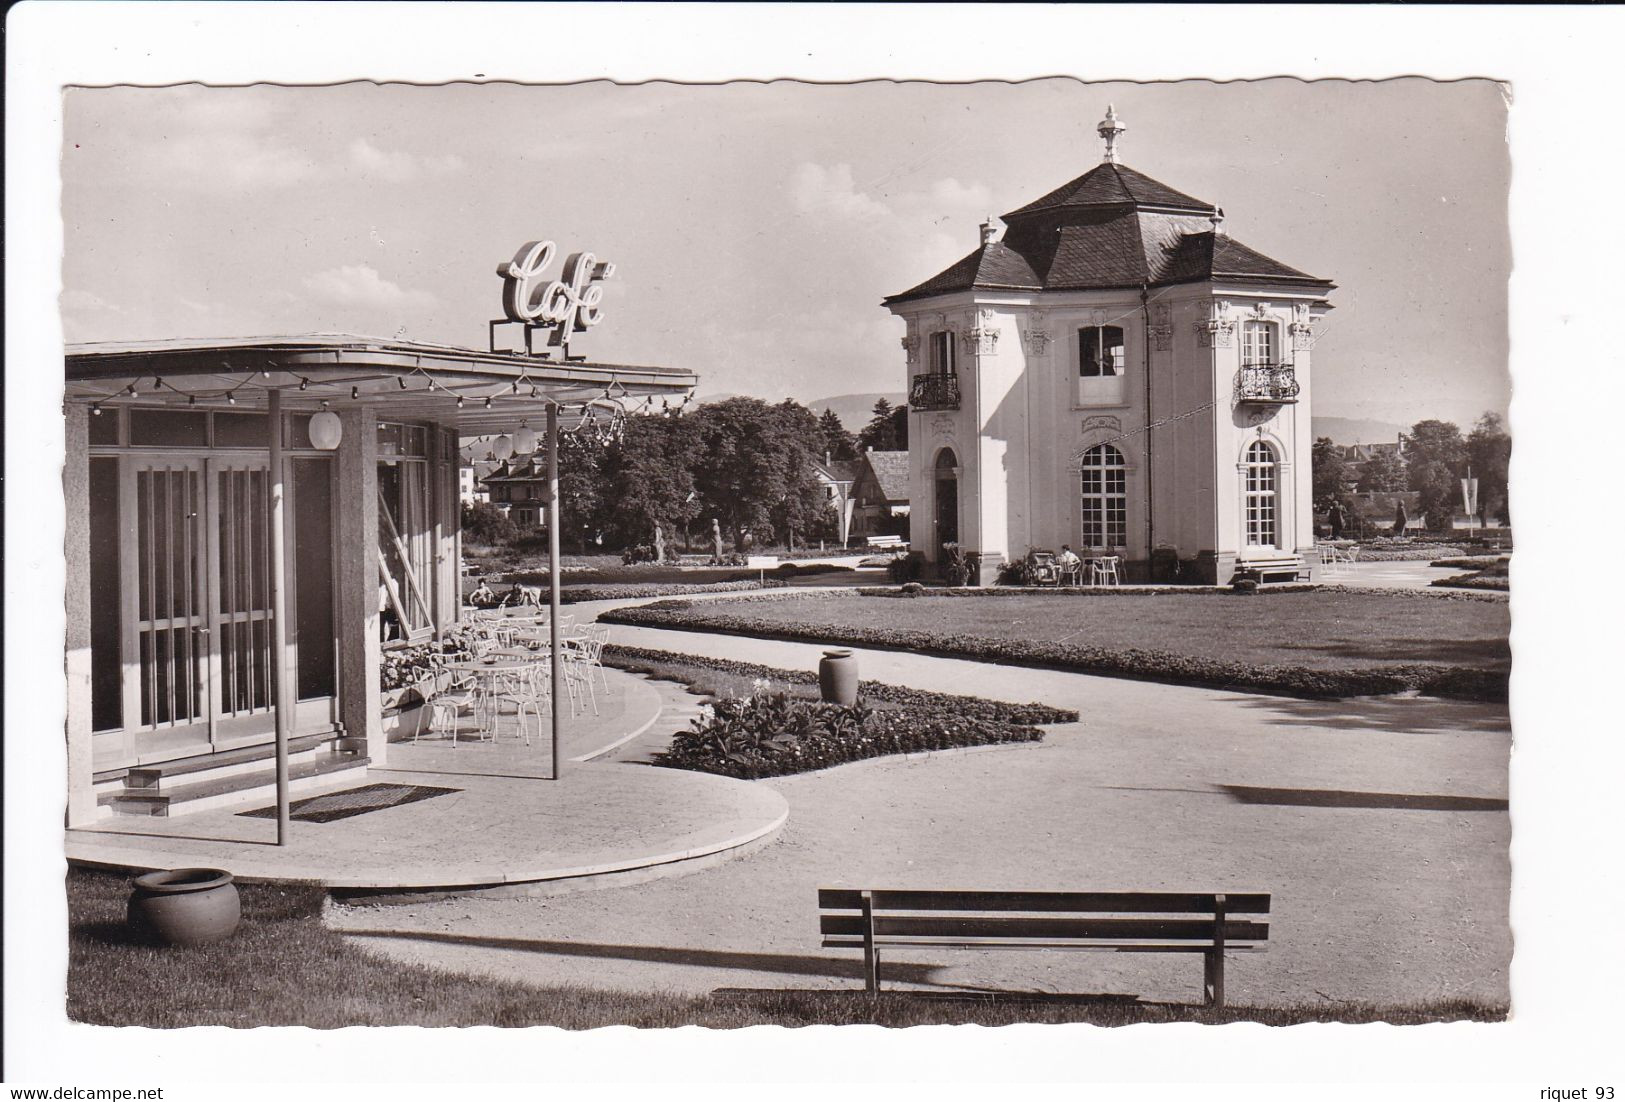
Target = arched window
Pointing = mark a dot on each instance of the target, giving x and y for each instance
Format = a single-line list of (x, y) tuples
[(1260, 494), (1105, 497)]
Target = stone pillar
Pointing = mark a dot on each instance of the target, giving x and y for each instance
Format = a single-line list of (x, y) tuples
[(76, 550), (357, 582)]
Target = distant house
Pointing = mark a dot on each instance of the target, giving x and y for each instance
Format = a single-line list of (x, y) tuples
[(470, 476), (880, 497), (519, 488), (1359, 453), (839, 478)]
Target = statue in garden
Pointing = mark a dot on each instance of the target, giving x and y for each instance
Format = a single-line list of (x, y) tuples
[(660, 544), (716, 536)]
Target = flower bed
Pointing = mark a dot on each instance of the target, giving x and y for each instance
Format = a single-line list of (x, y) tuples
[(660, 663), (1491, 574), (575, 594), (1156, 665), (772, 734)]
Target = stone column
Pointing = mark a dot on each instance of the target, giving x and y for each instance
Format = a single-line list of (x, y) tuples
[(76, 550), (357, 582)]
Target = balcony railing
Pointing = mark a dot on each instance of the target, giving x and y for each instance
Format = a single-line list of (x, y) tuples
[(1273, 383), (934, 391)]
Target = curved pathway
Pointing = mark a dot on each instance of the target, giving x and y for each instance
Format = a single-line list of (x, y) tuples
[(1380, 825)]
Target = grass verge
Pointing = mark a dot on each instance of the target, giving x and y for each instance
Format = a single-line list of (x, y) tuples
[(284, 967), (1326, 644)]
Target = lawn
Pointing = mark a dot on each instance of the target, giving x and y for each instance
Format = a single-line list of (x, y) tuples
[(284, 967), (1325, 643)]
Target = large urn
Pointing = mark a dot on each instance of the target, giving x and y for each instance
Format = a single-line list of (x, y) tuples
[(838, 678), (185, 906)]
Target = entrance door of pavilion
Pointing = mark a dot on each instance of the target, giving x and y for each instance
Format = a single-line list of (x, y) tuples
[(945, 484), (196, 592)]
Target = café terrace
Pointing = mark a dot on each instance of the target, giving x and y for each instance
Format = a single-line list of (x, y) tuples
[(236, 508)]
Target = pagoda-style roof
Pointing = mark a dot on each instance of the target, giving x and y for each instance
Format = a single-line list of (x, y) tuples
[(1111, 228)]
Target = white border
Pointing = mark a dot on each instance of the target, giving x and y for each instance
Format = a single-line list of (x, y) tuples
[(1561, 64)]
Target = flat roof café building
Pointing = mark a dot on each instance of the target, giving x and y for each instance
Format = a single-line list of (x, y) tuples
[(1115, 373), (240, 512)]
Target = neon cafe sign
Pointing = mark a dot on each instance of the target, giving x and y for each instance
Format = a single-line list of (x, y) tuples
[(564, 306)]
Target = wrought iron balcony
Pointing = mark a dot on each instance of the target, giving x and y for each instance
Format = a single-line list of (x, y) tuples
[(1267, 383), (934, 391)]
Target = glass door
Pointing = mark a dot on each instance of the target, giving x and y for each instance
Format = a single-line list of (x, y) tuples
[(169, 620), (242, 597)]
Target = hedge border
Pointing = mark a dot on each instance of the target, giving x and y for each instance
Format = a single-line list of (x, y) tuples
[(1133, 663)]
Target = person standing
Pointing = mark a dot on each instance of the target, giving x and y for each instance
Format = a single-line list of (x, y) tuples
[(1334, 518)]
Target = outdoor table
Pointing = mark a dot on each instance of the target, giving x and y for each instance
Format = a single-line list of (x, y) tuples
[(507, 660)]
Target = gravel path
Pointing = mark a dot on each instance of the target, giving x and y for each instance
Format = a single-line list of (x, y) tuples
[(1159, 787)]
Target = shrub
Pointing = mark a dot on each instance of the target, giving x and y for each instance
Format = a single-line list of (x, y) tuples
[(903, 568), (485, 523), (772, 734), (575, 594), (1013, 572), (912, 589)]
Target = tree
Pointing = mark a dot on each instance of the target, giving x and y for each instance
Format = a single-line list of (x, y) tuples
[(838, 443), (485, 523), (1438, 492), (881, 431), (1383, 472), (648, 479), (1489, 451), (1330, 472), (581, 490), (1433, 442), (754, 471)]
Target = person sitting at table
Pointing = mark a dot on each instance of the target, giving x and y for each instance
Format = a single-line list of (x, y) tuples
[(1071, 566)]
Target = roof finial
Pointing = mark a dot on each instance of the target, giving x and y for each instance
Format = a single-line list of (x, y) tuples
[(990, 231), (1109, 129), (1217, 218)]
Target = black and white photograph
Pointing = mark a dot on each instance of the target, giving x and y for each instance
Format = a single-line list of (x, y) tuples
[(926, 548)]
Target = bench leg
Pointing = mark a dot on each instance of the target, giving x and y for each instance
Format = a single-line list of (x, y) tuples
[(871, 956), (1213, 977)]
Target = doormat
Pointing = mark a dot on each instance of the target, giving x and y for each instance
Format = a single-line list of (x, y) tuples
[(352, 801)]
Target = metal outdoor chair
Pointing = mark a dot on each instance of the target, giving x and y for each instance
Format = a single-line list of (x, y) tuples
[(1106, 570)]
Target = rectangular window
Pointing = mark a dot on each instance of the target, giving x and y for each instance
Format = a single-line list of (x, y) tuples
[(104, 427), (1258, 344), (313, 574), (175, 428), (1102, 360), (240, 430), (406, 541), (1100, 352), (942, 353)]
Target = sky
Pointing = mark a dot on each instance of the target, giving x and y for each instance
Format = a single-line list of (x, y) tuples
[(756, 227)]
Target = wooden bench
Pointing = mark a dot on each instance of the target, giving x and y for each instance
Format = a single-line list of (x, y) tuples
[(1279, 564), (886, 543), (1116, 922)]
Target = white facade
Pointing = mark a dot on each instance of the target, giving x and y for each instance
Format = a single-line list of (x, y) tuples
[(1184, 380)]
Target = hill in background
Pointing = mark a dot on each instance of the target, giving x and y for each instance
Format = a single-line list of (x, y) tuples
[(1353, 430)]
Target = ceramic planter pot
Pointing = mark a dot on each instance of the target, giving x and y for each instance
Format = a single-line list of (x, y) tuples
[(185, 906), (838, 678)]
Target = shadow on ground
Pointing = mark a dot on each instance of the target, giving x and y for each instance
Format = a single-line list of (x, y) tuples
[(1402, 714), (780, 963), (1399, 801), (1483, 653)]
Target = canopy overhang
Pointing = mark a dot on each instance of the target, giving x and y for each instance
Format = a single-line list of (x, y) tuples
[(472, 391)]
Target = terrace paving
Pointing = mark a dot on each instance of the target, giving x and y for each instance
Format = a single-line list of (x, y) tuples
[(503, 828), (1380, 825)]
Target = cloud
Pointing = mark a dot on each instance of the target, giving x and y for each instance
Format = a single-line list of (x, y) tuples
[(398, 166), (233, 162), (830, 190), (360, 285), (950, 193)]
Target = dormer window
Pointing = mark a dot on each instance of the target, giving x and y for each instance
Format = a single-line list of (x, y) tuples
[(1101, 361)]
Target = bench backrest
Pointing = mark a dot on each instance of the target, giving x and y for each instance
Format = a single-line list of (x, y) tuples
[(1171, 919)]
